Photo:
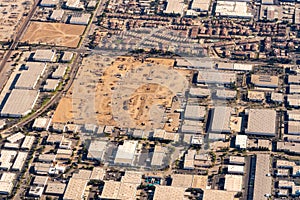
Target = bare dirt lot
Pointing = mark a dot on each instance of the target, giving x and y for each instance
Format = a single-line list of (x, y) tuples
[(58, 34), (126, 93)]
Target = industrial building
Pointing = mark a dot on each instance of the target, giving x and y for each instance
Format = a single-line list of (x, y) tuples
[(15, 137), (235, 169), (233, 183), (220, 120), (191, 126), (236, 160), (235, 66), (293, 127), (49, 3), (27, 142), (195, 112), (80, 19), (226, 94), (51, 85), (96, 150), (293, 79), (41, 123), (241, 141), (119, 190), (215, 77), (67, 56), (19, 161), (257, 96), (44, 55), (7, 183), (263, 182), (74, 5), (75, 189), (174, 7), (126, 153), (200, 5), (158, 156), (294, 89), (277, 97), (264, 81), (199, 92), (293, 100), (216, 194), (57, 15), (235, 9), (168, 192), (30, 75), (55, 188), (261, 122), (19, 103)]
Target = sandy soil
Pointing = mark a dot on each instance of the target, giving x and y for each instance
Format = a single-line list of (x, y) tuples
[(58, 34)]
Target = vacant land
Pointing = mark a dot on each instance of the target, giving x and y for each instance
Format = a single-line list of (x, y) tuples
[(63, 112), (58, 34), (127, 92)]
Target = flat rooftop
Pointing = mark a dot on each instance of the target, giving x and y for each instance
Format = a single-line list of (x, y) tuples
[(261, 122), (19, 103)]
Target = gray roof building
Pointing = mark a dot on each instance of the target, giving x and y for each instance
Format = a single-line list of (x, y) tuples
[(261, 122)]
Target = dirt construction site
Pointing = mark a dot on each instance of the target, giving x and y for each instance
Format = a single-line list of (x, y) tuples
[(58, 34), (125, 92)]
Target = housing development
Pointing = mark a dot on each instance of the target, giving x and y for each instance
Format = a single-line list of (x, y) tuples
[(150, 99)]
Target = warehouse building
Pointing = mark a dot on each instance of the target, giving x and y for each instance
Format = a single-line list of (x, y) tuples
[(294, 89), (293, 127), (220, 120), (49, 3), (234, 9), (216, 194), (74, 5), (15, 137), (57, 15), (235, 66), (215, 77), (241, 141), (44, 55), (29, 77), (294, 79), (199, 92), (19, 103), (75, 189), (55, 188), (235, 169), (264, 81), (262, 183), (226, 94), (277, 97), (261, 122), (158, 156), (233, 183), (195, 112), (96, 150), (293, 100), (174, 7), (257, 96), (67, 56), (200, 5), (80, 19), (119, 190), (168, 192), (6, 158), (20, 160), (6, 183), (191, 126), (41, 124), (126, 153), (51, 85)]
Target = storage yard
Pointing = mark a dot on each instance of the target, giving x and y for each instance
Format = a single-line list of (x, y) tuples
[(58, 34)]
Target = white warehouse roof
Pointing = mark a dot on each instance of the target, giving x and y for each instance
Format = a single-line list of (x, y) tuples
[(19, 103)]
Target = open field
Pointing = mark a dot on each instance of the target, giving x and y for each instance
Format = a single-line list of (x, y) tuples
[(12, 16), (63, 112), (58, 34), (126, 93)]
